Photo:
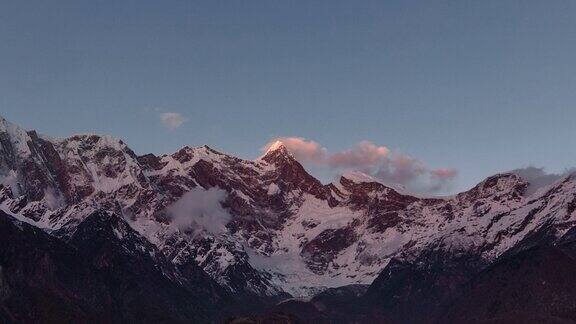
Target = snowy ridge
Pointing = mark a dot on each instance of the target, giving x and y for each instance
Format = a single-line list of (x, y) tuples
[(284, 231), (17, 137)]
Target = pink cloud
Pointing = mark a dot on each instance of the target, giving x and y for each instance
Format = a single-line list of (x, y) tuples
[(401, 169), (375, 160), (443, 173), (364, 154)]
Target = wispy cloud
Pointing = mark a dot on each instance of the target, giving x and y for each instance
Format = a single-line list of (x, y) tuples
[(172, 120), (443, 173), (376, 160), (538, 177), (364, 154)]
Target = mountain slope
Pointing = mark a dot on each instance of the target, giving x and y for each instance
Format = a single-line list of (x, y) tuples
[(529, 284), (266, 228), (105, 273)]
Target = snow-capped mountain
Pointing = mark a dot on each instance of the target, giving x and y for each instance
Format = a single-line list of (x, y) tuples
[(266, 227)]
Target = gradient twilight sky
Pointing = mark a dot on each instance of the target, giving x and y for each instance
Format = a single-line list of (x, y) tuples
[(479, 86)]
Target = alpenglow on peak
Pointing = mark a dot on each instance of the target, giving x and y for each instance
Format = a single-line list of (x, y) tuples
[(276, 146)]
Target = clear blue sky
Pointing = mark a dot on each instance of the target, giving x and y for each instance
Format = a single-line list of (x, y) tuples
[(481, 86)]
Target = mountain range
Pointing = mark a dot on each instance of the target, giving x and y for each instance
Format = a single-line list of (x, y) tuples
[(93, 232)]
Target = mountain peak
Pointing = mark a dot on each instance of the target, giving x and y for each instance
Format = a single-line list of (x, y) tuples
[(5, 124), (18, 137), (276, 146), (275, 150)]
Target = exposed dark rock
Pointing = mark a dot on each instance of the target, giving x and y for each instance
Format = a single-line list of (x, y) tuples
[(106, 273)]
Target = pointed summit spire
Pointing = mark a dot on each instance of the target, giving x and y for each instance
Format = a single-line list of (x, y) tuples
[(276, 146), (277, 152)]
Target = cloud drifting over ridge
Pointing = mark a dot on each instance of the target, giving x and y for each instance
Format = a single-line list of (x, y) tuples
[(378, 161), (538, 177), (200, 210)]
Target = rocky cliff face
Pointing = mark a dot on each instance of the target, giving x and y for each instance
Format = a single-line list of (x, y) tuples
[(105, 272), (282, 231)]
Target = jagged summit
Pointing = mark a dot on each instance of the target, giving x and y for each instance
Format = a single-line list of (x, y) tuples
[(276, 146), (284, 230), (277, 152), (4, 121)]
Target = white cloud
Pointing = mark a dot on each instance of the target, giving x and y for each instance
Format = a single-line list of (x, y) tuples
[(172, 120), (200, 210), (538, 177)]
